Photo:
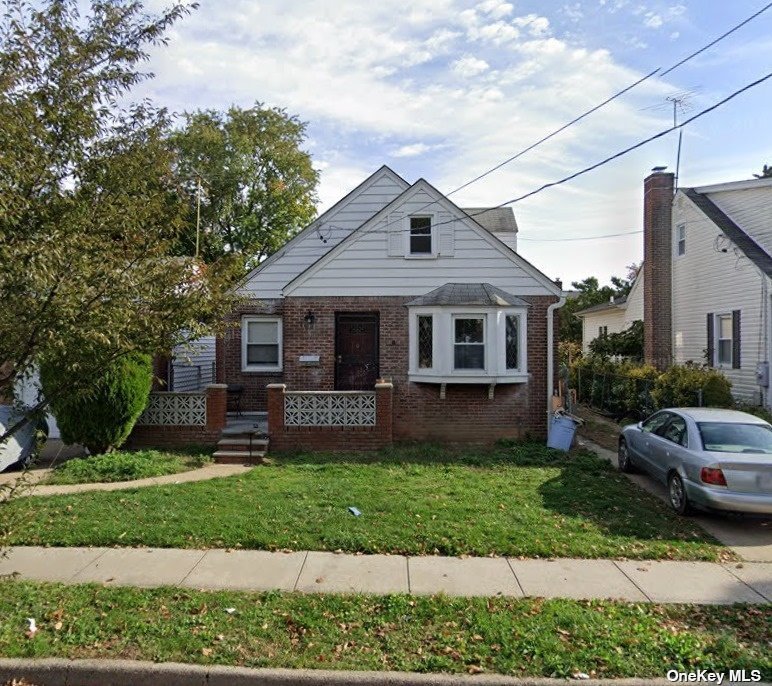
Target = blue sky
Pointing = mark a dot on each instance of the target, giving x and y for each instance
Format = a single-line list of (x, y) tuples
[(445, 89)]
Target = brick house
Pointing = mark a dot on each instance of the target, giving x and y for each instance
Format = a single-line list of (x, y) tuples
[(708, 279), (395, 315)]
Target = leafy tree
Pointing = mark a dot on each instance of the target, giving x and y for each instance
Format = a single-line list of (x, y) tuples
[(627, 343), (102, 417), (590, 293), (257, 186), (89, 208)]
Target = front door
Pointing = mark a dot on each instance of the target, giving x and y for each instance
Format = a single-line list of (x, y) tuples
[(356, 351)]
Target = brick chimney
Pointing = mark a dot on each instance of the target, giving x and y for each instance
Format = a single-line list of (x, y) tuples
[(658, 190)]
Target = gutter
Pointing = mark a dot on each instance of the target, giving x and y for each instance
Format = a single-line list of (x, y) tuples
[(551, 352)]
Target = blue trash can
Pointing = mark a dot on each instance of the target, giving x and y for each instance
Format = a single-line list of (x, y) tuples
[(561, 432)]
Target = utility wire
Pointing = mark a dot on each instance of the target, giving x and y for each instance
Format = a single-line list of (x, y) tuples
[(583, 238), (555, 132), (721, 37)]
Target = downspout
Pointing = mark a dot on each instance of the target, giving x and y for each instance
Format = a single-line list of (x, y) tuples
[(551, 352)]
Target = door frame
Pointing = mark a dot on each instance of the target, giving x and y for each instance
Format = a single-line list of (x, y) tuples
[(374, 317)]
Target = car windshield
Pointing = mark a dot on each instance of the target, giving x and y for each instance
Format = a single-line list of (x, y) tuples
[(736, 438)]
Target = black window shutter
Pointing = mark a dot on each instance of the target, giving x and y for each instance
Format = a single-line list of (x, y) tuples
[(736, 339), (711, 333)]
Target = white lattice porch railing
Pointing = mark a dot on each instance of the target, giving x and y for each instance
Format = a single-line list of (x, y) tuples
[(329, 408), (174, 409)]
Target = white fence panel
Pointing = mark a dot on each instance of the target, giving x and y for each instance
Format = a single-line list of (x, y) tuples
[(329, 408), (174, 409)]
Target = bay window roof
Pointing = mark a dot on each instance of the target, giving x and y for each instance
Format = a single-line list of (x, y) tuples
[(483, 294)]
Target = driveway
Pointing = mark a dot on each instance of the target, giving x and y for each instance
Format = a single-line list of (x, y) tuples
[(750, 538)]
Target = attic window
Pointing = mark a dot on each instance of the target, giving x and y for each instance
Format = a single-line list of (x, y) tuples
[(420, 235)]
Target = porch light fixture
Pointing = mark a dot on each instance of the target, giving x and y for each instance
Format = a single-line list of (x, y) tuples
[(310, 318)]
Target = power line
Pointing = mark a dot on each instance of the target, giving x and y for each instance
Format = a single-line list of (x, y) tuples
[(555, 132), (720, 38), (636, 145), (582, 238)]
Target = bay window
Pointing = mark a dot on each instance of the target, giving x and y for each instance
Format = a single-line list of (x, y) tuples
[(468, 342)]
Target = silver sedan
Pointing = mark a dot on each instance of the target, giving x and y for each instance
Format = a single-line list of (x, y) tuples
[(709, 458)]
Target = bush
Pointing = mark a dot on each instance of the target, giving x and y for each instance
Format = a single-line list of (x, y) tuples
[(102, 416), (680, 386), (123, 466)]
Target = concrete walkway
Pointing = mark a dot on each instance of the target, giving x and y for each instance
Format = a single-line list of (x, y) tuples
[(750, 538), (210, 471), (319, 572)]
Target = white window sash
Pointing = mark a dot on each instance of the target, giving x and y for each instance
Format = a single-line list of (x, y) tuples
[(260, 367)]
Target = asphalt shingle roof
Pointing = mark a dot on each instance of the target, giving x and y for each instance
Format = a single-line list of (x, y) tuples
[(469, 294), (494, 219), (603, 306)]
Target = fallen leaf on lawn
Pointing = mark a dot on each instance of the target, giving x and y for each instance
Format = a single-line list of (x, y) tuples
[(58, 626), (475, 669), (206, 652)]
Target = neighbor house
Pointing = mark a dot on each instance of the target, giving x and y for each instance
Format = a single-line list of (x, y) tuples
[(614, 316), (707, 267), (395, 306)]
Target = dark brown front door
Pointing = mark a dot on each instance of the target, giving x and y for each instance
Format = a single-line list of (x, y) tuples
[(356, 351)]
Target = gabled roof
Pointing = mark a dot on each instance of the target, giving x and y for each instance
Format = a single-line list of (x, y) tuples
[(617, 304), (384, 170), (423, 184), (495, 219), (750, 248), (483, 294)]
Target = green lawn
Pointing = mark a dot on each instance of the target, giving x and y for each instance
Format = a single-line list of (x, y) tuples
[(521, 500), (424, 634), (126, 466)]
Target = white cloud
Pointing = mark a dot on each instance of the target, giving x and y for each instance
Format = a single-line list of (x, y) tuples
[(411, 150), (653, 20), (536, 25), (469, 65), (495, 8)]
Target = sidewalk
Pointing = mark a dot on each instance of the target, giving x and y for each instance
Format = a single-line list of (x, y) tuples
[(318, 572)]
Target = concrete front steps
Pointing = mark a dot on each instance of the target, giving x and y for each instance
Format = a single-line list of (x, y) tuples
[(244, 447)]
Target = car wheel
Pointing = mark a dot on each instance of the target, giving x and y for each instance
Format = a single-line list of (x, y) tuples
[(676, 493), (624, 462)]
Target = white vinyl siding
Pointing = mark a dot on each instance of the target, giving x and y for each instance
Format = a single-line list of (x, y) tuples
[(368, 267), (301, 253), (750, 209), (634, 304), (613, 320), (706, 280)]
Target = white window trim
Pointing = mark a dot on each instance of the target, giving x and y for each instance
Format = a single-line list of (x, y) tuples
[(443, 342), (260, 367), (717, 339), (434, 235), (485, 343), (678, 240)]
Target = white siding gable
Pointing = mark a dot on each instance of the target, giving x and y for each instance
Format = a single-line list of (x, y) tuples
[(634, 303), (750, 209), (707, 280), (373, 260), (333, 226)]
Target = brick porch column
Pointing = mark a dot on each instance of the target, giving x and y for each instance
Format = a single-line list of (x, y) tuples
[(276, 410), (384, 415), (216, 406)]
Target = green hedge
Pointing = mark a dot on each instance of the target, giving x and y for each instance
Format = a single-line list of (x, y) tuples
[(624, 389)]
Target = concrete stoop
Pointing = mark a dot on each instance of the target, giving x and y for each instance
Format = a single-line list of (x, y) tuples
[(242, 444), (62, 672)]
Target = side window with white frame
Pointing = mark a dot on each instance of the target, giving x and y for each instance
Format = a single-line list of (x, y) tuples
[(512, 350), (421, 239), (681, 239), (425, 341), (261, 344)]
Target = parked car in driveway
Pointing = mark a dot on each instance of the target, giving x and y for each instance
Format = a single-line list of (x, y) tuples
[(709, 458), (20, 447)]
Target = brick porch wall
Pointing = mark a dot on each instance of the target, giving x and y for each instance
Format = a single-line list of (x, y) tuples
[(332, 438), (180, 435)]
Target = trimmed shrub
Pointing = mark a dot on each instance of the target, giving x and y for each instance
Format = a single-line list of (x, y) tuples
[(681, 386), (102, 416)]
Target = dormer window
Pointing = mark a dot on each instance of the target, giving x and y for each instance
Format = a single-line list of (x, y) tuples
[(421, 236)]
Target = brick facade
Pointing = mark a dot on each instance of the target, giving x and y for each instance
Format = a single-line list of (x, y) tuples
[(228, 357), (657, 269), (466, 414), (333, 438)]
